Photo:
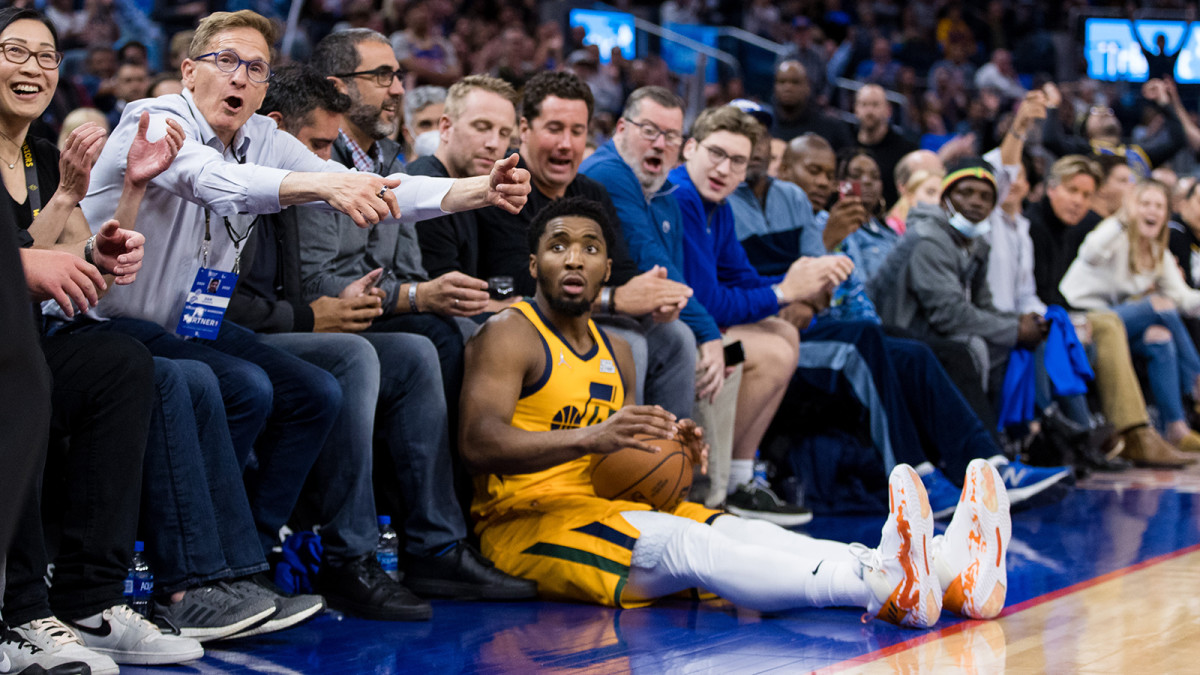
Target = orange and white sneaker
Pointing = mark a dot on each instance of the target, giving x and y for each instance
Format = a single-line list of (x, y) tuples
[(970, 557), (900, 572)]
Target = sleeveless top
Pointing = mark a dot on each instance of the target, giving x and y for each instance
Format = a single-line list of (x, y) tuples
[(575, 390)]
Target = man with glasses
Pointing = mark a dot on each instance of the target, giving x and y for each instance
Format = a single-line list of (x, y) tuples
[(197, 215)]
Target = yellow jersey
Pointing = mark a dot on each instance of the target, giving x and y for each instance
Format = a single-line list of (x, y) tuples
[(574, 391)]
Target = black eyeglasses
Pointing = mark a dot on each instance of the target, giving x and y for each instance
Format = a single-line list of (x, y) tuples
[(651, 132), (717, 155), (383, 75), (228, 61), (48, 59)]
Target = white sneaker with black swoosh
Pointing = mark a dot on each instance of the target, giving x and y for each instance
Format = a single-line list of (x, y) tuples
[(18, 655), (130, 638), (59, 645)]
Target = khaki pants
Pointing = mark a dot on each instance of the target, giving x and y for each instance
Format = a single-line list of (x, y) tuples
[(717, 420), (1116, 381)]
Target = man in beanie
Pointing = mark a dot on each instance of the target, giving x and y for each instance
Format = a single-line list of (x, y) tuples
[(935, 281)]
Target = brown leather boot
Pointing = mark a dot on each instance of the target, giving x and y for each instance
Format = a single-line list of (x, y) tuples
[(1144, 447)]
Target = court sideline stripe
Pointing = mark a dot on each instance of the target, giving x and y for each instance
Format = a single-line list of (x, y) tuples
[(1019, 607)]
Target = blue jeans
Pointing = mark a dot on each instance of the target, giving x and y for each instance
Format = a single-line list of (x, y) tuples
[(913, 405), (392, 392), (277, 405), (1173, 366), (413, 424), (195, 516)]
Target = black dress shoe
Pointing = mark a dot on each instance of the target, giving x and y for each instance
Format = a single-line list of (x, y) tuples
[(363, 589), (463, 573)]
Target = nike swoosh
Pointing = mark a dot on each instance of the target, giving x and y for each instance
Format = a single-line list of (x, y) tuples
[(5, 664), (817, 567), (104, 630)]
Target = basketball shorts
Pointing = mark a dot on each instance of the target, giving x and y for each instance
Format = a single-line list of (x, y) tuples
[(575, 547)]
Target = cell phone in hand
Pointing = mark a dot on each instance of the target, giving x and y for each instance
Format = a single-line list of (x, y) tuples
[(849, 188), (383, 276), (734, 354)]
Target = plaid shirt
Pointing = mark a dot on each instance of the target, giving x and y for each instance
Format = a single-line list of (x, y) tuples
[(362, 160)]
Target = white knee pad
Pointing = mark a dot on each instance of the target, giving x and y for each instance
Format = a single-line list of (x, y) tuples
[(660, 533)]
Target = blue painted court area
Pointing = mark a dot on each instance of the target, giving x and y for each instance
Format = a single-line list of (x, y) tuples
[(1105, 525)]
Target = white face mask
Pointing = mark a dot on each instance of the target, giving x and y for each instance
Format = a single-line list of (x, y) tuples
[(965, 227)]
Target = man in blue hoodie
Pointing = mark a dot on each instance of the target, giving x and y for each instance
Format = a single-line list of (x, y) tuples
[(742, 302)]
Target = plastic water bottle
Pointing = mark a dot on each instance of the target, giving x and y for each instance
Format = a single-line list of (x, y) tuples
[(387, 552), (139, 584), (762, 472)]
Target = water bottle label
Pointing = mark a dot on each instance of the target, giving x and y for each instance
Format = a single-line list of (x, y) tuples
[(387, 560), (128, 587), (145, 587)]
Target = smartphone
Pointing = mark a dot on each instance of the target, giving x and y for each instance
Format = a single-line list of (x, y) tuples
[(849, 188), (383, 276), (734, 354)]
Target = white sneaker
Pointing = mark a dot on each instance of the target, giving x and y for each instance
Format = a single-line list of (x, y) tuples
[(55, 639), (970, 557), (18, 655), (130, 638), (900, 571)]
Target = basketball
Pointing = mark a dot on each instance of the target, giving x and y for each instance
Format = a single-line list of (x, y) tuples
[(661, 479)]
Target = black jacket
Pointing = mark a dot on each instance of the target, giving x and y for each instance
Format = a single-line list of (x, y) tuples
[(1055, 246), (268, 297)]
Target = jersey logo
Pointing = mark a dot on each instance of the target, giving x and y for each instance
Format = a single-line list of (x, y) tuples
[(562, 359), (567, 418), (606, 366), (597, 409)]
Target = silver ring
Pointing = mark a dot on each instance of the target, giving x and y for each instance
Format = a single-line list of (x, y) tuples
[(456, 302), (382, 191)]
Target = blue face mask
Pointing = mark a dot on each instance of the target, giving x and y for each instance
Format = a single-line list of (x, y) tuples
[(965, 227)]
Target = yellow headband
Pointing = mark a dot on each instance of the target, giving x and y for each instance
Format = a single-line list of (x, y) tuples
[(977, 172)]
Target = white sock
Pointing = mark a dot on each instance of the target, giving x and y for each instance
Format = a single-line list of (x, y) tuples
[(741, 471)]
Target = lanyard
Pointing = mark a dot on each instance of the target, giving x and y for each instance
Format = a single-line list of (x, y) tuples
[(238, 238), (31, 181)]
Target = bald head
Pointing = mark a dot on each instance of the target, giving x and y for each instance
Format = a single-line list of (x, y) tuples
[(918, 160), (791, 85), (809, 162), (871, 108)]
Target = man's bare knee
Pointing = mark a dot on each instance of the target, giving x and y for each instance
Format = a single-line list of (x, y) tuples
[(1156, 335)]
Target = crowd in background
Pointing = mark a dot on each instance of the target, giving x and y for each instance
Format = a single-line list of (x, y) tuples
[(943, 272)]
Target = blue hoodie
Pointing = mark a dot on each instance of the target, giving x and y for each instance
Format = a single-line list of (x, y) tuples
[(652, 229), (714, 262)]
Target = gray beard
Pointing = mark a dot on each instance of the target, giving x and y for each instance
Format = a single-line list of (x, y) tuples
[(366, 117)]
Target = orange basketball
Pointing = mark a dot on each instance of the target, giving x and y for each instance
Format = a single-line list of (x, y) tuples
[(660, 479)]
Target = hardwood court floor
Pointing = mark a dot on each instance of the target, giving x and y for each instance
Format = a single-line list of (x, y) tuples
[(1104, 581)]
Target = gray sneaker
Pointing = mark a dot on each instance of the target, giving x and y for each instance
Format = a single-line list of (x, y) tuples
[(213, 612), (290, 609)]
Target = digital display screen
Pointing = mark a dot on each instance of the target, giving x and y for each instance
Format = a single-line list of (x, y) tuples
[(607, 30), (1116, 49)]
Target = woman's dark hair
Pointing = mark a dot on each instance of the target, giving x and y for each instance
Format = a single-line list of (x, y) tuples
[(10, 15), (846, 156)]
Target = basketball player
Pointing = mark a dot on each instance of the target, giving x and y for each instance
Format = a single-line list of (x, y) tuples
[(545, 389)]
